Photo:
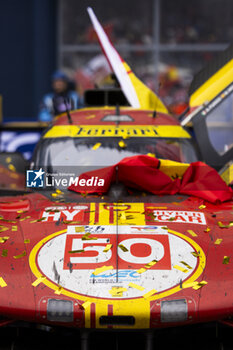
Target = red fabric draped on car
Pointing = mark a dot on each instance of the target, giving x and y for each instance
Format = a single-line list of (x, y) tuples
[(142, 172)]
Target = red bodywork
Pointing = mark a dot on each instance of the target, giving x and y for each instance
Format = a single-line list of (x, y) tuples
[(31, 224)]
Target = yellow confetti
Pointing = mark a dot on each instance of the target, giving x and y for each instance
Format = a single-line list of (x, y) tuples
[(87, 237), (123, 248), (192, 233), (122, 144), (207, 230), (226, 260), (202, 206), (150, 264), (11, 167), (221, 225), (4, 239), (26, 217), (189, 284), (141, 270), (136, 286), (4, 252), (199, 285), (102, 269), (3, 228), (151, 155), (92, 116), (117, 291), (8, 159), (14, 228), (96, 146), (26, 241), (125, 137), (2, 283), (59, 191), (38, 281), (185, 264), (107, 248), (180, 268), (20, 255), (76, 251), (195, 254), (150, 293), (85, 305), (80, 229), (218, 241), (54, 195), (59, 290)]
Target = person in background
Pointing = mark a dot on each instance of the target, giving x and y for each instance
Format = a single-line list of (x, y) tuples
[(62, 97)]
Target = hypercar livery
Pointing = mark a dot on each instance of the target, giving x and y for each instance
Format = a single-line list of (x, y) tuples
[(122, 224)]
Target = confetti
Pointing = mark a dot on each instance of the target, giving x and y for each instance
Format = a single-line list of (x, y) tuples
[(59, 191), (14, 228), (218, 241), (4, 252), (221, 225), (226, 260), (11, 167), (2, 283), (92, 116), (150, 293), (76, 251), (136, 286), (122, 144), (199, 285), (202, 206), (150, 264), (185, 264), (4, 239), (207, 230), (195, 254), (189, 284), (8, 159), (123, 248), (85, 305), (20, 255), (96, 146), (192, 233), (180, 268), (58, 291), (87, 237), (38, 281), (151, 155), (26, 217), (141, 270), (117, 291), (3, 228), (107, 248), (125, 137), (102, 269), (80, 229), (26, 241)]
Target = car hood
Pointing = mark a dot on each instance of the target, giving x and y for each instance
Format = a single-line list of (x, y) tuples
[(151, 264)]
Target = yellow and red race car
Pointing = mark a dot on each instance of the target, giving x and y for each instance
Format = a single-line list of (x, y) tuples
[(124, 229)]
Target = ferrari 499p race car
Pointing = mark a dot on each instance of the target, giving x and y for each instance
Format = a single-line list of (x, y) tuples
[(121, 227)]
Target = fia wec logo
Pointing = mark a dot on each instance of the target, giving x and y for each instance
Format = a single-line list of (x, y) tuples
[(35, 178)]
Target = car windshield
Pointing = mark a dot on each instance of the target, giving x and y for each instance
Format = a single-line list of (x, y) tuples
[(83, 154)]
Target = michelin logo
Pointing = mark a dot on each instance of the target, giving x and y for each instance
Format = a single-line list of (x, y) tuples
[(35, 178)]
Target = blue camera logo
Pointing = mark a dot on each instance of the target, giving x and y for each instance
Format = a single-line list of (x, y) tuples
[(35, 178)]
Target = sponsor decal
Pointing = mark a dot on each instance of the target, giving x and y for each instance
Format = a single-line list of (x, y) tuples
[(69, 261), (171, 131), (191, 217)]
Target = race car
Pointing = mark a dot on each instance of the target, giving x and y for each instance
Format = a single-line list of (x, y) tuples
[(121, 227)]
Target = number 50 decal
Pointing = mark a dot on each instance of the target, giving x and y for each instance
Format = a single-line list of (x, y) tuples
[(141, 250)]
